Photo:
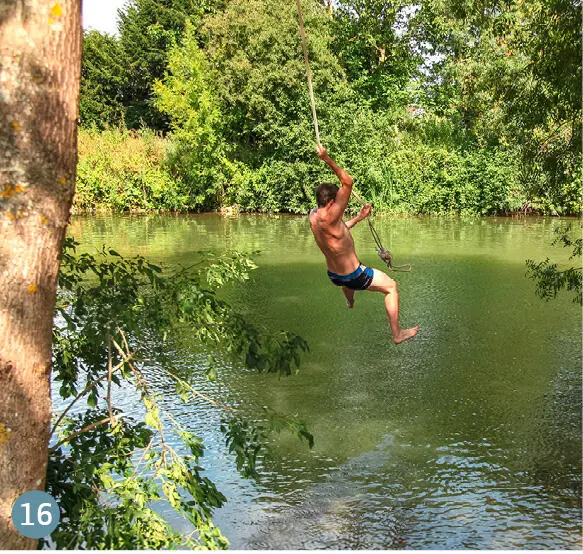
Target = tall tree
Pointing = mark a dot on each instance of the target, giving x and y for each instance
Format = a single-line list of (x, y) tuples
[(371, 42), (254, 48), (40, 49), (103, 78), (512, 71), (148, 28), (187, 96)]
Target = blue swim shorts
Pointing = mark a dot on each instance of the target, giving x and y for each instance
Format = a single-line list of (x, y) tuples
[(359, 279)]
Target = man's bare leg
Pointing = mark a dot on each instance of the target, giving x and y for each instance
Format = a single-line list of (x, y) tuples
[(349, 294), (381, 282)]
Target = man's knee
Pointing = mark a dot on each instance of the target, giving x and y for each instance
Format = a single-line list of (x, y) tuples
[(388, 286), (391, 286), (383, 283)]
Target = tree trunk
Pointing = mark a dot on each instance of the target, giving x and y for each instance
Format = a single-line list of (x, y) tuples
[(40, 44)]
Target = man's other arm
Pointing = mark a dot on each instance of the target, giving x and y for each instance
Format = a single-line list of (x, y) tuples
[(364, 213)]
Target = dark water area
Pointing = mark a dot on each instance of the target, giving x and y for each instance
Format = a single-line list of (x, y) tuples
[(466, 437)]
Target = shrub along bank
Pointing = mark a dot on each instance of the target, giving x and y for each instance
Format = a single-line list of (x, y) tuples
[(128, 171)]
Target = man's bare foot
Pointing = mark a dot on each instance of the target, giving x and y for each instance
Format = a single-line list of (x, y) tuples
[(405, 334), (350, 303)]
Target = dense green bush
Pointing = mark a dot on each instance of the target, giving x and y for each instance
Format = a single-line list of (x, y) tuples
[(428, 179), (276, 186), (122, 170)]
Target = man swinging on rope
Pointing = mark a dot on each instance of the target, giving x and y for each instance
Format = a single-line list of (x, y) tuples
[(336, 243)]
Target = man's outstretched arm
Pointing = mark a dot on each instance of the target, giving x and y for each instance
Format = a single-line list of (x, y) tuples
[(343, 196), (345, 179), (364, 213)]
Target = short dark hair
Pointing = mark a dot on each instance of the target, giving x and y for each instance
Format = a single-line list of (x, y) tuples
[(326, 192)]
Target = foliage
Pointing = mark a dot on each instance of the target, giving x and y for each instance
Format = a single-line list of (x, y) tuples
[(437, 180), (187, 97), (549, 279), (414, 100), (125, 171), (394, 171), (107, 469), (254, 49), (245, 439), (371, 43), (275, 186), (121, 171), (511, 73), (148, 29), (102, 81)]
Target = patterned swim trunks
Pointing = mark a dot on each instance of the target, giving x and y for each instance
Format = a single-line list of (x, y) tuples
[(359, 279)]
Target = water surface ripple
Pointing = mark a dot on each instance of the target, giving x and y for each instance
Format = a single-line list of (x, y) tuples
[(467, 437)]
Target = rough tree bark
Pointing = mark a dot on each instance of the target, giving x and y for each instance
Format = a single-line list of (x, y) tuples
[(40, 44)]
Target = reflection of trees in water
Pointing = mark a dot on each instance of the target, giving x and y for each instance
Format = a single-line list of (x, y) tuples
[(176, 235)]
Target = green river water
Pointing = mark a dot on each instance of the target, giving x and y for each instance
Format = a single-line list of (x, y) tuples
[(466, 437)]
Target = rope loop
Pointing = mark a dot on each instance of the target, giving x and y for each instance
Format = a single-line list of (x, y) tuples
[(385, 254)]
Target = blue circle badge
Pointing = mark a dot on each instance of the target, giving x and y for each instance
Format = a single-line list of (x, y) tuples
[(35, 514)]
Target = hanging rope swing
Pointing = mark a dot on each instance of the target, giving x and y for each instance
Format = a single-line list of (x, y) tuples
[(384, 253)]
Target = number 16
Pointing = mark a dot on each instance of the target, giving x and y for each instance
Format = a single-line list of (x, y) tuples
[(44, 516)]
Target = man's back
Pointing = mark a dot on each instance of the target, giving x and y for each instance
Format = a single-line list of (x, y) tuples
[(335, 241)]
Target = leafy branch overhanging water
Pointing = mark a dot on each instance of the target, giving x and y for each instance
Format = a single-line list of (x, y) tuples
[(115, 319)]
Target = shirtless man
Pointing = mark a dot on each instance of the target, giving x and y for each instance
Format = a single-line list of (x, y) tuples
[(336, 243)]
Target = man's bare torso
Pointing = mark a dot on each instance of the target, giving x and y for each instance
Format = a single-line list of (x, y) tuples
[(335, 241)]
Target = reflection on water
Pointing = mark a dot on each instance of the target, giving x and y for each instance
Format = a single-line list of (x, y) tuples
[(469, 436)]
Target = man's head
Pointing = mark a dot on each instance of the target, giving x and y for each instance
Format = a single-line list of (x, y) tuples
[(326, 192)]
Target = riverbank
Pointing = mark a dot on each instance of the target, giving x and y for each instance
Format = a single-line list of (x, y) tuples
[(123, 171)]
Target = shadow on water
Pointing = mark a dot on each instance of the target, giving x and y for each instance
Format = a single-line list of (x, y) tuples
[(330, 513)]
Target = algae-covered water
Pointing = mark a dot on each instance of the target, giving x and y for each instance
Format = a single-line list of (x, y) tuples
[(466, 437)]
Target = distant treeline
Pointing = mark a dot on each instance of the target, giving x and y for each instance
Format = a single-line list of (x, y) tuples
[(434, 107)]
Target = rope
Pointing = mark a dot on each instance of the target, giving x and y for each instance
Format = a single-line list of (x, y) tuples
[(383, 253), (310, 86), (308, 72)]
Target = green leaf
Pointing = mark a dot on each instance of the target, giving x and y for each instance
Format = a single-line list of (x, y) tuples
[(211, 374), (107, 480), (152, 418)]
